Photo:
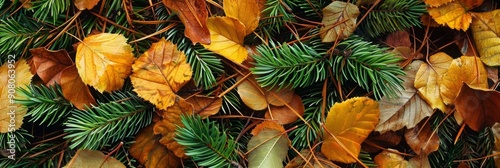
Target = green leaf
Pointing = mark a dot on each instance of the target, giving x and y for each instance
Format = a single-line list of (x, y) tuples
[(270, 148)]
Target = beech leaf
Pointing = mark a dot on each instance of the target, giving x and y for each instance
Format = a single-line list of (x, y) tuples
[(91, 159), (74, 89), (246, 11), (486, 31), (455, 14), (150, 152), (350, 122), (339, 20), (478, 107), (268, 147), (227, 35), (193, 14)]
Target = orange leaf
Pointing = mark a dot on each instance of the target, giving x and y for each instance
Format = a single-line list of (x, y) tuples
[(246, 11), (150, 152), (85, 4), (205, 106), (339, 20), (478, 107), (159, 73), (104, 61), (486, 31), (93, 158), (285, 115), (171, 120), (420, 140), (464, 69), (388, 159), (358, 118), (47, 64), (278, 97), (74, 89), (193, 14), (454, 14), (267, 125), (227, 35), (12, 75), (429, 77), (258, 98)]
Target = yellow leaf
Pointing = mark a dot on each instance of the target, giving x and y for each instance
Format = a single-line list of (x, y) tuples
[(227, 35), (150, 152), (104, 61), (407, 110), (454, 14), (91, 159), (246, 11), (159, 73), (486, 31), (429, 77), (12, 75), (466, 69), (268, 147), (390, 160), (85, 4), (339, 19), (434, 3), (350, 122)]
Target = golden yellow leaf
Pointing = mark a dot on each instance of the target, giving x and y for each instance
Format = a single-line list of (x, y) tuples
[(339, 20), (93, 158), (390, 160), (408, 109), (85, 4), (486, 31), (227, 35), (104, 61), (466, 69), (478, 107), (12, 75), (159, 73), (434, 3), (429, 77), (150, 152), (246, 11), (455, 14), (350, 122)]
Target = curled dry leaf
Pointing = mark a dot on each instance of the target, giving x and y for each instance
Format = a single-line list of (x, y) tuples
[(285, 115), (150, 152), (478, 107), (11, 113), (269, 145), (227, 35), (429, 77), (339, 20), (246, 11), (193, 14), (104, 61), (85, 4), (159, 73), (93, 158), (258, 98), (422, 139), (312, 160), (455, 14), (408, 109), (171, 119), (359, 116), (388, 159), (205, 106), (466, 69), (486, 31)]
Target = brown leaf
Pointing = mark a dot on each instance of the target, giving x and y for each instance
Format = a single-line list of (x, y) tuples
[(339, 20), (478, 107), (399, 38), (171, 118), (193, 14), (407, 53), (150, 152), (47, 63), (386, 140), (420, 141), (92, 159), (74, 89), (85, 4), (258, 98), (285, 115), (205, 106)]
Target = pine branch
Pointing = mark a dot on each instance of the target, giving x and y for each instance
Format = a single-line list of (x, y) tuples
[(15, 35), (46, 104), (448, 151), (21, 139), (392, 15), (205, 144), (109, 122), (275, 15), (230, 101), (49, 8)]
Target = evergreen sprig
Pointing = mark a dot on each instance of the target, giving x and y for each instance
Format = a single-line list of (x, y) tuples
[(109, 122), (45, 8), (205, 143), (21, 139), (15, 35), (275, 15)]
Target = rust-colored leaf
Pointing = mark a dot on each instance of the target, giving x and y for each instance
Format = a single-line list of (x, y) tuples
[(455, 14), (205, 106), (285, 115), (422, 140), (258, 98), (150, 152), (246, 11), (227, 35), (47, 64), (74, 89), (399, 38), (434, 3), (85, 4), (193, 14), (159, 73), (478, 107), (339, 20)]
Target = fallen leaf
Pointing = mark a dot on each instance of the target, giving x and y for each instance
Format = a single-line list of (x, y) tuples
[(466, 69), (495, 129), (246, 11), (399, 38), (12, 75), (205, 106), (386, 140), (150, 152), (159, 73), (277, 96), (492, 73), (47, 64), (427, 20), (422, 139), (193, 14), (283, 114), (486, 31), (91, 159), (267, 125), (227, 35), (339, 21), (268, 147), (478, 107), (171, 119), (74, 89), (455, 14), (85, 4), (408, 109), (406, 53), (429, 77), (313, 160), (258, 98), (434, 3), (388, 159), (419, 161), (104, 61), (359, 117)]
